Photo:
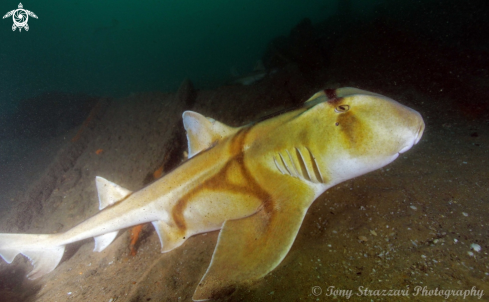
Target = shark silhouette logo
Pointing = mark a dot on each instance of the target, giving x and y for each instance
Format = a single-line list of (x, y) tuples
[(20, 17)]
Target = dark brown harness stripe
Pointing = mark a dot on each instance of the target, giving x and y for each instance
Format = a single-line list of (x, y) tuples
[(221, 182)]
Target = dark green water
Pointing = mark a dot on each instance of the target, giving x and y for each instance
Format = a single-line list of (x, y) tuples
[(118, 47)]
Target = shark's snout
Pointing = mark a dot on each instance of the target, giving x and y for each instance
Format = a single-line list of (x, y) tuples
[(420, 132), (417, 134)]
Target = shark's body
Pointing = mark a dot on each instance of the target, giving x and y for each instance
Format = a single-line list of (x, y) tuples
[(254, 182)]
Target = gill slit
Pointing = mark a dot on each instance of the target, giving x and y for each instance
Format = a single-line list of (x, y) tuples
[(302, 165), (315, 167), (278, 166), (293, 164), (285, 165)]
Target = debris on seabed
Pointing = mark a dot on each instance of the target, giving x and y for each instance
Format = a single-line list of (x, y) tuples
[(475, 247)]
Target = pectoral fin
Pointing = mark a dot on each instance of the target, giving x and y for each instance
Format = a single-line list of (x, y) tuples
[(249, 248)]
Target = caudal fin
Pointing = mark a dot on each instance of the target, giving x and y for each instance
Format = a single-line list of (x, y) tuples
[(44, 256)]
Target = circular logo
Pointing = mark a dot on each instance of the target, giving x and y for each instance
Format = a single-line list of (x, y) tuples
[(20, 18), (317, 290)]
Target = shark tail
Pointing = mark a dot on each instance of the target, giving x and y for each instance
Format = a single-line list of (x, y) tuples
[(45, 251), (42, 255)]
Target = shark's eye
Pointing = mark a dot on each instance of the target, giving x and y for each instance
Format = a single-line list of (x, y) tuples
[(342, 108)]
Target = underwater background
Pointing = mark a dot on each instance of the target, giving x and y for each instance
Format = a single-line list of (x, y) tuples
[(98, 88), (113, 48), (117, 47)]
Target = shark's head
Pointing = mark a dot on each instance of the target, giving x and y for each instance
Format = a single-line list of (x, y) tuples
[(362, 131)]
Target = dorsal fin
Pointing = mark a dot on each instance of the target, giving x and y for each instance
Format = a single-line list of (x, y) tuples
[(109, 192), (203, 132)]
